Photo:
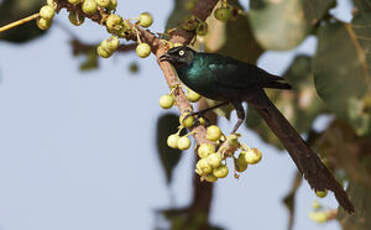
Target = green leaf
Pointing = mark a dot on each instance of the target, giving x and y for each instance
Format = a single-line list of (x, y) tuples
[(341, 69), (166, 125), (12, 10)]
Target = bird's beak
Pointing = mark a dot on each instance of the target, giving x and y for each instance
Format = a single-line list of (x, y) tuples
[(165, 57)]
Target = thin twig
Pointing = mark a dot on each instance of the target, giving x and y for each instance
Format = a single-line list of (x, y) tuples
[(19, 22)]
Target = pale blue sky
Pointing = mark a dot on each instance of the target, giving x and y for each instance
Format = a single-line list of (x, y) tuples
[(77, 150)]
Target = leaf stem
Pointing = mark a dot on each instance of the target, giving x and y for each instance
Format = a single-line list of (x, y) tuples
[(19, 22)]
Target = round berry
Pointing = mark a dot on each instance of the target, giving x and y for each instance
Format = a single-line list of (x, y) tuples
[(186, 122), (103, 3), (214, 159), (75, 2), (205, 150), (203, 167), (202, 29), (192, 96), (223, 14), (233, 140), (221, 171), (316, 205), (89, 7), (47, 12), (252, 156), (43, 24), (111, 44), (190, 23), (321, 194), (240, 164), (145, 19), (112, 5), (143, 50), (210, 178), (202, 121), (172, 141), (52, 3), (76, 18), (213, 133), (103, 52), (114, 22), (166, 101), (184, 143), (319, 217)]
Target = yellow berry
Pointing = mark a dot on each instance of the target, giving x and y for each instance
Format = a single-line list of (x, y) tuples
[(89, 7), (166, 101), (184, 143), (233, 140), (112, 5), (76, 18), (145, 19), (221, 171), (114, 22), (213, 133), (214, 159), (319, 217), (103, 52), (316, 205), (52, 3), (205, 150), (321, 194), (143, 50), (203, 167), (43, 24), (252, 156), (210, 178), (240, 164), (111, 44), (172, 141), (103, 3), (47, 12), (192, 96), (188, 122)]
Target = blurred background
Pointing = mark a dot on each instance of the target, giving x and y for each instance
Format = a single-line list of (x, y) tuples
[(79, 134)]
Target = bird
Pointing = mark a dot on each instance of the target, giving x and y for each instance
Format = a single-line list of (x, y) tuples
[(231, 81)]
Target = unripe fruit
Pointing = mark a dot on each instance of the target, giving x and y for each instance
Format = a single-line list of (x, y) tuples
[(214, 159), (213, 133), (240, 164), (111, 44), (89, 7), (76, 18), (143, 50), (210, 178), (145, 19), (113, 22), (316, 205), (223, 14), (319, 217), (47, 12), (321, 194), (172, 141), (166, 101), (252, 156), (203, 167), (192, 96), (112, 5), (103, 52), (202, 29), (43, 24), (190, 23), (233, 140), (184, 143), (74, 2), (52, 3), (103, 3), (202, 121), (221, 171), (187, 122), (205, 150)]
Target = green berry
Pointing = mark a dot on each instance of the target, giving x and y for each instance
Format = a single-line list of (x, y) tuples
[(205, 150), (76, 18), (114, 22), (111, 44), (190, 4), (202, 29), (184, 143), (210, 178), (52, 3), (89, 7), (213, 133), (223, 14), (143, 50), (252, 156), (221, 171), (190, 23), (240, 164), (75, 2), (103, 3), (233, 140), (188, 122), (203, 167), (316, 205), (319, 217), (47, 12), (167, 101), (103, 52), (202, 121), (145, 19), (172, 141), (214, 159), (43, 24), (112, 5), (321, 194), (192, 96)]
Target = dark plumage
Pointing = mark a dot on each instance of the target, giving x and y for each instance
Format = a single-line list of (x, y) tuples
[(231, 81)]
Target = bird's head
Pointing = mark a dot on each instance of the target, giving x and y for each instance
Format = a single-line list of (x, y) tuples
[(179, 56)]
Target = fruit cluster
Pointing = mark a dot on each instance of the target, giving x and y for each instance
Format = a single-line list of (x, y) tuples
[(47, 13), (226, 12), (192, 23)]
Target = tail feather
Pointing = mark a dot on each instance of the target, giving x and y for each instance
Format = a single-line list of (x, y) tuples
[(307, 161)]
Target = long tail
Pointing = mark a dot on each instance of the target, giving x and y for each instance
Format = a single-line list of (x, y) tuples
[(307, 161)]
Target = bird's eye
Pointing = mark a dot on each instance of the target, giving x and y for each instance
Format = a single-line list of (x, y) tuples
[(181, 53)]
